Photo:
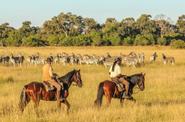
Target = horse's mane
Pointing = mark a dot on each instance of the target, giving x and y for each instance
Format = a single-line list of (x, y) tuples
[(138, 74), (67, 76), (133, 78)]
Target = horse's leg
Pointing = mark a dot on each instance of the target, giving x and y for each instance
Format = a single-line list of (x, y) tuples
[(108, 96), (59, 106), (132, 99), (36, 100), (121, 102), (67, 106)]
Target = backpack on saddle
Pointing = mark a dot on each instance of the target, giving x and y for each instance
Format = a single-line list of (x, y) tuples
[(118, 80)]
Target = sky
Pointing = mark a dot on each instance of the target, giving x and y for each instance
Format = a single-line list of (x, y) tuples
[(38, 11)]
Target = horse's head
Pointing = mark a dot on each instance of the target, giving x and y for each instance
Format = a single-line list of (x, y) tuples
[(141, 81), (77, 78)]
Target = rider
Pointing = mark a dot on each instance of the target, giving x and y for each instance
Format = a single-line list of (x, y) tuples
[(49, 76), (117, 77)]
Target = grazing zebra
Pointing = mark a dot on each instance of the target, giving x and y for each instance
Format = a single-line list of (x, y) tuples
[(73, 59), (35, 59), (4, 59), (17, 60), (141, 58), (153, 57), (168, 59), (131, 61)]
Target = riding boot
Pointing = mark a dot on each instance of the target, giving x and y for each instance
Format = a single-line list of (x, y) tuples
[(126, 93)]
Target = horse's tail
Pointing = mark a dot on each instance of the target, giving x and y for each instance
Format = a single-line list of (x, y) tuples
[(23, 99), (100, 94)]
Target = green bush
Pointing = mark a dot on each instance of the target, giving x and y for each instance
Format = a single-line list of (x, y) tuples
[(53, 40), (128, 41), (177, 44), (162, 41), (80, 40), (147, 39), (33, 41)]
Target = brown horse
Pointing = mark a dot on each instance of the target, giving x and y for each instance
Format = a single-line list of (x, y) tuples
[(36, 91), (110, 90)]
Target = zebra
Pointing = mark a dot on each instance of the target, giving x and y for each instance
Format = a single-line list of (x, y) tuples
[(4, 59), (153, 57), (17, 60), (108, 61), (168, 59), (35, 59), (141, 58), (73, 59), (131, 61)]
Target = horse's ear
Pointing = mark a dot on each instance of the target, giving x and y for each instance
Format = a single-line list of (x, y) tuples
[(79, 70), (143, 74)]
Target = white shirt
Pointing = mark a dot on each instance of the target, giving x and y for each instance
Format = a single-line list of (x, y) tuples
[(116, 72)]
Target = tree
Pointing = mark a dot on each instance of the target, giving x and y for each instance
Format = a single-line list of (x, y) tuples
[(146, 25), (181, 24)]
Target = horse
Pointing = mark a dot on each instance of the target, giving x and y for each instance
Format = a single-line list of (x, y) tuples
[(37, 91), (110, 89)]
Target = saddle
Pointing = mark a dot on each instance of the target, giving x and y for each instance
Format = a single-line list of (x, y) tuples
[(120, 87), (48, 86)]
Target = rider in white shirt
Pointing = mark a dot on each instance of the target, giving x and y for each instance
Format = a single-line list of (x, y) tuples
[(117, 77)]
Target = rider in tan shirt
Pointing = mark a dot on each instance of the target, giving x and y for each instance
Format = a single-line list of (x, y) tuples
[(48, 76)]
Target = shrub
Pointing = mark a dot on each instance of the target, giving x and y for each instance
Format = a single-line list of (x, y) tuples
[(128, 41), (162, 41), (80, 40), (53, 40), (147, 39), (33, 41), (113, 38), (177, 44)]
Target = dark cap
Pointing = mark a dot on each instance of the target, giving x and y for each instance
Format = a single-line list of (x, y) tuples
[(48, 60), (118, 59)]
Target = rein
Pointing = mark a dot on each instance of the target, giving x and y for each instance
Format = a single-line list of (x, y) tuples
[(138, 90)]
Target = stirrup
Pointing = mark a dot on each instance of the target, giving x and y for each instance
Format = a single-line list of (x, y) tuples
[(62, 99), (126, 96)]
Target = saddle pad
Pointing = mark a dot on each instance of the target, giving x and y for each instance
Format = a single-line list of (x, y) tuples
[(48, 86)]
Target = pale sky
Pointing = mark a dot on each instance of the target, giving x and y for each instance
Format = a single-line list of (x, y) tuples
[(37, 11)]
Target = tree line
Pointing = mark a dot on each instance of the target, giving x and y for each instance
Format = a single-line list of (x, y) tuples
[(68, 29)]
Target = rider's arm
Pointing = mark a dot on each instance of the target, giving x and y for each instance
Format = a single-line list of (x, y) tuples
[(50, 72), (110, 70)]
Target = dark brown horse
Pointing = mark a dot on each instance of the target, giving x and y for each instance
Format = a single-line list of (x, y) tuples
[(110, 90), (36, 91)]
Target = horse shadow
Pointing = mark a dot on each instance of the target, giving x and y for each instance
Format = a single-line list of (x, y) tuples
[(164, 103)]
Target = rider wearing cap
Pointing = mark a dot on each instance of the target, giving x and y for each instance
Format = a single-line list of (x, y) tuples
[(117, 77), (48, 76)]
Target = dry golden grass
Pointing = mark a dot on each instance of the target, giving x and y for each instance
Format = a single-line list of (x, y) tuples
[(162, 100)]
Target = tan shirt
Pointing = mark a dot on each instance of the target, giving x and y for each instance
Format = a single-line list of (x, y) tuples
[(116, 72), (47, 72)]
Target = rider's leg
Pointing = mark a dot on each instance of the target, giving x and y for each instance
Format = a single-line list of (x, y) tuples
[(126, 83), (58, 87)]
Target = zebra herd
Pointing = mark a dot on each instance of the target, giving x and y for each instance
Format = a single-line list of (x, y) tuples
[(132, 59)]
